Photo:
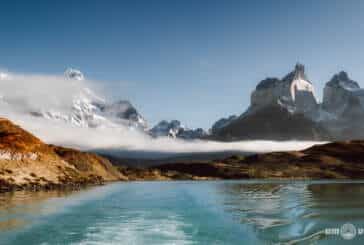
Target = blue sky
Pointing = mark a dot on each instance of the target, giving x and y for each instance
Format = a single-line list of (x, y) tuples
[(191, 60)]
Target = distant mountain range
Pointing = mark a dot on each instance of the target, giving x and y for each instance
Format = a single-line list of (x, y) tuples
[(280, 109), (287, 109), (93, 111), (175, 129)]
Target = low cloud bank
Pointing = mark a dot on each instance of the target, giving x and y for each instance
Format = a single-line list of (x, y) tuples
[(21, 94), (125, 139)]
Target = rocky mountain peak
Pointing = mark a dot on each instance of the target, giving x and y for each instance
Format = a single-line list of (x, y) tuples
[(342, 76), (294, 92), (340, 93), (87, 109), (165, 128), (74, 74), (175, 129), (342, 80), (299, 72)]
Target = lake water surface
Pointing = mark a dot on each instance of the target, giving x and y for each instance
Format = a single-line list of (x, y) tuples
[(221, 212)]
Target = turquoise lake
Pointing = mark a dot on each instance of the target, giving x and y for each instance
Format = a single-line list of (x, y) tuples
[(207, 212)]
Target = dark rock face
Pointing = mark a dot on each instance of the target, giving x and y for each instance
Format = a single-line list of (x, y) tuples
[(342, 79), (223, 122), (273, 122), (338, 92), (344, 101), (268, 83)]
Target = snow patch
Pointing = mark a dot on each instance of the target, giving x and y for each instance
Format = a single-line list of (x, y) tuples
[(300, 85)]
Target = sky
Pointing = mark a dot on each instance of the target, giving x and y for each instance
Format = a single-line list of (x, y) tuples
[(191, 60)]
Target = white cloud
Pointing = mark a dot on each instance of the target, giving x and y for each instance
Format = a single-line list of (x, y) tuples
[(30, 92)]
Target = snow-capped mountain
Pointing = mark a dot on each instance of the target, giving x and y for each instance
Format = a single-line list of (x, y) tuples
[(123, 112), (74, 103), (280, 109), (165, 128), (294, 92), (175, 129), (90, 110)]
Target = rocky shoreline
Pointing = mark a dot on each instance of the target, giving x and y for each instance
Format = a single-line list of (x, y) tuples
[(35, 186)]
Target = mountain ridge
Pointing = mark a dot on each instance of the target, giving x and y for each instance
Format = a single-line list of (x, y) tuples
[(336, 118)]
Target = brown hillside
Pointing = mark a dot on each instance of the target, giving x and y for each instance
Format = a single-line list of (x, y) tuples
[(15, 138), (338, 160), (88, 162), (27, 162)]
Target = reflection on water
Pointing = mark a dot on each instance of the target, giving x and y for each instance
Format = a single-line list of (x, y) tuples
[(17, 208), (221, 212), (297, 212)]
